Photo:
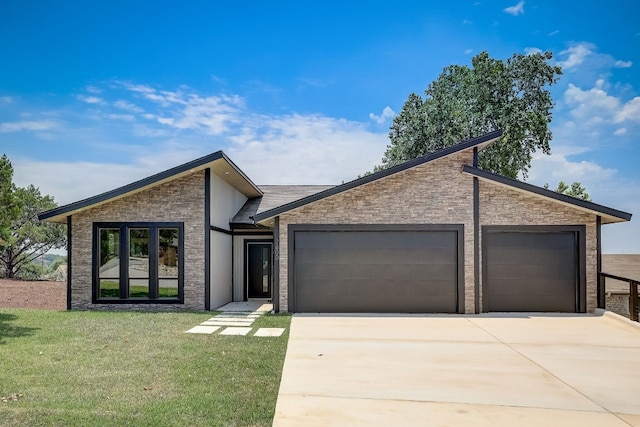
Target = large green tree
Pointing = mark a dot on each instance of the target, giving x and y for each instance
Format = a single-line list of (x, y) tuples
[(574, 190), (465, 102), (22, 236)]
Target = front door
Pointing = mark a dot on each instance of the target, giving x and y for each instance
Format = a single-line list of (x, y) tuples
[(258, 272)]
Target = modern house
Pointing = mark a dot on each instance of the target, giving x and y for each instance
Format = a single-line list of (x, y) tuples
[(436, 234)]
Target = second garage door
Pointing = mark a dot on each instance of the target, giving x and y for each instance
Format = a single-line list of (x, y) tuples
[(533, 269), (373, 270)]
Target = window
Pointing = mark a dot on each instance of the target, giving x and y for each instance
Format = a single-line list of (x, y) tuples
[(138, 262)]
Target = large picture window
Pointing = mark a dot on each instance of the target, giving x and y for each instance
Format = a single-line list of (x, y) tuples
[(138, 262)]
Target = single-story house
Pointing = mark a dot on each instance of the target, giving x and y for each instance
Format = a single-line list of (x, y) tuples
[(436, 234)]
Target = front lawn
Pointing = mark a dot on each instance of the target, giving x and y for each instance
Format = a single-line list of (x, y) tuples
[(130, 368)]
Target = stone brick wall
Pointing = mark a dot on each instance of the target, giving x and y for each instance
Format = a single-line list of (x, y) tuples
[(503, 206), (180, 200), (618, 303), (432, 193)]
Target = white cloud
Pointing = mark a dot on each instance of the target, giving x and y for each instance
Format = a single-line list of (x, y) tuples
[(466, 22), (585, 57), (468, 51), (387, 113), (557, 167), (6, 99), (553, 33), (128, 106), (211, 114), (186, 110), (630, 111), (28, 125), (593, 105), (93, 89), (622, 64), (575, 55), (90, 99), (125, 117), (311, 149), (620, 131), (532, 50), (516, 10)]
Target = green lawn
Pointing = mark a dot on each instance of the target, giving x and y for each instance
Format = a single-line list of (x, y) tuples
[(139, 369)]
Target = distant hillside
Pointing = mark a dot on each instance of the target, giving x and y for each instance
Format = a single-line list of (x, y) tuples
[(625, 265)]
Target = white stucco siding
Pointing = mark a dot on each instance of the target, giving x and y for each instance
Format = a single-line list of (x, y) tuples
[(226, 201), (221, 269)]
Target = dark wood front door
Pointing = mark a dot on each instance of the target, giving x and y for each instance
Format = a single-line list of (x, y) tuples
[(258, 270)]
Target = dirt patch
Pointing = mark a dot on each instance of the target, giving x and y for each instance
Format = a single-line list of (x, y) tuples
[(39, 295)]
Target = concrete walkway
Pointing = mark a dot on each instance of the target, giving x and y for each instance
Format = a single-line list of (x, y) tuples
[(486, 370), (236, 319)]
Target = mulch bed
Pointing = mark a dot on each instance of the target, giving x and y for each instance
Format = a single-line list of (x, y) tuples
[(37, 295)]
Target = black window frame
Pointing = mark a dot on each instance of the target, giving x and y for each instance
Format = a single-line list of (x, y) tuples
[(124, 228)]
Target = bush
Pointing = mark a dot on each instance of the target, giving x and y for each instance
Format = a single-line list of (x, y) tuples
[(30, 271)]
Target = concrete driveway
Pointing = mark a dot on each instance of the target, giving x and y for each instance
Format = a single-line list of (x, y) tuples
[(493, 370)]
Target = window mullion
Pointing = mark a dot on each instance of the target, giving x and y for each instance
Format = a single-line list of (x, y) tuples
[(153, 263), (124, 263)]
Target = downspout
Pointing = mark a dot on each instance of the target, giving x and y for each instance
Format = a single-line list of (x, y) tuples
[(476, 236)]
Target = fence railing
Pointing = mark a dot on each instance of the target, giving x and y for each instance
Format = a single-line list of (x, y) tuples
[(633, 293)]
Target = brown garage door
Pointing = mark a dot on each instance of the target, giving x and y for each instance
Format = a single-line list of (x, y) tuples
[(531, 269), (376, 270)]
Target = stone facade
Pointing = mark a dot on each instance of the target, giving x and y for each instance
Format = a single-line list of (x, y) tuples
[(503, 206), (432, 193), (438, 192), (618, 303), (179, 200)]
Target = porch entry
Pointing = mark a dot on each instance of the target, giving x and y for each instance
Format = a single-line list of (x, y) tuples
[(258, 280)]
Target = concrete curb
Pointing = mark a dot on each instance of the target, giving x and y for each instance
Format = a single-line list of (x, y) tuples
[(610, 314)]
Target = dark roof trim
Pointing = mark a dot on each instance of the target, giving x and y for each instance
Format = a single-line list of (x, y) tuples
[(546, 193), (487, 138), (145, 182)]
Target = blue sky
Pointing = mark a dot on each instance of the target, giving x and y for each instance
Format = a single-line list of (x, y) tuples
[(94, 95)]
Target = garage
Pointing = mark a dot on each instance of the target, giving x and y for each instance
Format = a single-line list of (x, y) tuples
[(533, 269), (376, 269)]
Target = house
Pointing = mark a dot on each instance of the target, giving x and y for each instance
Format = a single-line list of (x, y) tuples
[(433, 235)]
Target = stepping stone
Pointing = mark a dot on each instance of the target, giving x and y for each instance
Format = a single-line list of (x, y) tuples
[(236, 331), (203, 329), (231, 319), (225, 323), (239, 315), (269, 332)]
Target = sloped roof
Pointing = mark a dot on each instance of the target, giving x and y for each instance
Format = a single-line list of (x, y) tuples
[(218, 162), (608, 215), (479, 142), (273, 197)]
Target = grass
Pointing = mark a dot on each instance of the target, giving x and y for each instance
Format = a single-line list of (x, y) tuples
[(132, 368)]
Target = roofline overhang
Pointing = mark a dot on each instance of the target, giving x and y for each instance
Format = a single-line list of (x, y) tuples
[(479, 142), (60, 213), (612, 215)]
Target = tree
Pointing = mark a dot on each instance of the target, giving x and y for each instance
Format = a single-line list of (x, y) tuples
[(575, 190), (464, 102), (22, 236), (9, 206)]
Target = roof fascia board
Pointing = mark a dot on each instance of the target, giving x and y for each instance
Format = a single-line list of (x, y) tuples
[(482, 140), (614, 214), (193, 165)]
